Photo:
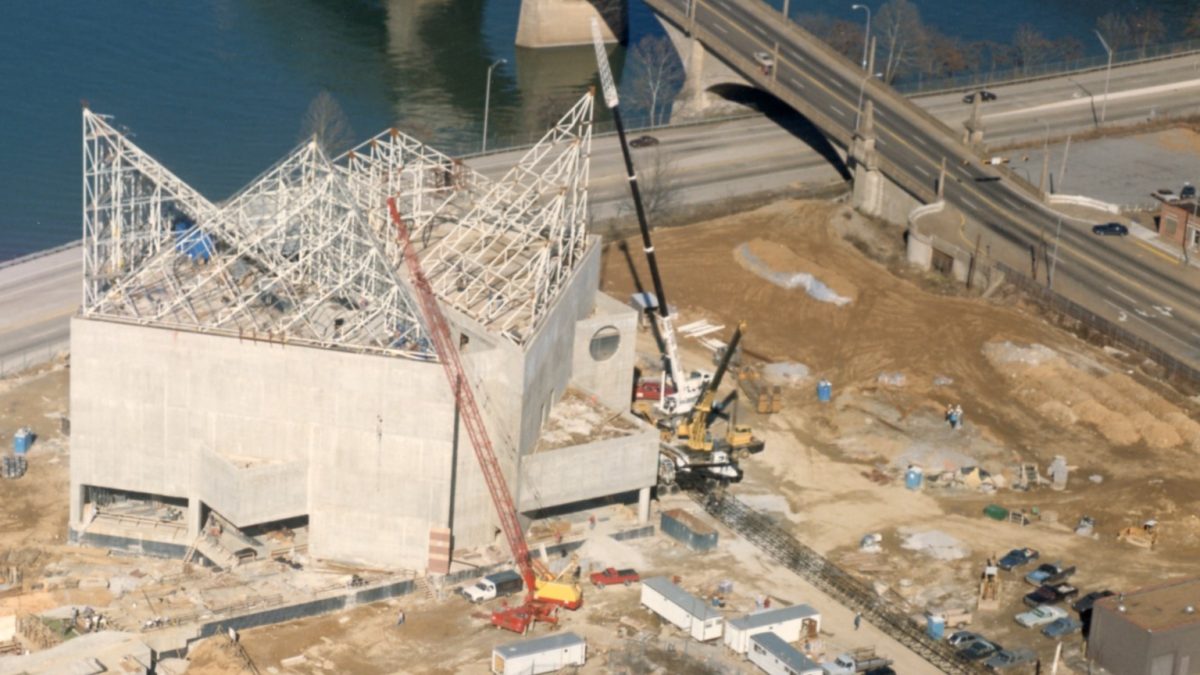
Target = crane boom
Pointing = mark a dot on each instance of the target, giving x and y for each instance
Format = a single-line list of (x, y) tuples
[(686, 392), (456, 375)]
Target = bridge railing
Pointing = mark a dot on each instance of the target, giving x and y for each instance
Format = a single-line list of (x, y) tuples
[(1099, 329), (927, 87)]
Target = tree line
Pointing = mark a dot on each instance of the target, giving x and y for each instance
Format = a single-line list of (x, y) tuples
[(909, 49)]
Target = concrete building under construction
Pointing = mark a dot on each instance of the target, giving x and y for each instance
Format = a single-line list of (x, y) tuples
[(260, 364)]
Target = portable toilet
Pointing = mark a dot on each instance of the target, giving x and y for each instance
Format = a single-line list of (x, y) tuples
[(935, 626), (824, 391), (22, 440)]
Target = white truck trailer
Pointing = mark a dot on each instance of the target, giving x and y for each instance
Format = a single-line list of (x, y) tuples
[(774, 656), (540, 655), (790, 623), (696, 617)]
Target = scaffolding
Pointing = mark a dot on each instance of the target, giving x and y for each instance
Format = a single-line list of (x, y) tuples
[(305, 253)]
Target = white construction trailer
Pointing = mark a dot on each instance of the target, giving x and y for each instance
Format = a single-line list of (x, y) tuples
[(790, 623), (696, 617), (539, 655), (774, 656)]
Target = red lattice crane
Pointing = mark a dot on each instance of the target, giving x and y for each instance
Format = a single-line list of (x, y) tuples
[(516, 619)]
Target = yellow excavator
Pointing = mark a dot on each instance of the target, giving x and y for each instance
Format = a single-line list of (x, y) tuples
[(696, 431), (557, 588)]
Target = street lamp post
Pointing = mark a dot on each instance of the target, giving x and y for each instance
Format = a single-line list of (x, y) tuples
[(1107, 74), (487, 99), (867, 34)]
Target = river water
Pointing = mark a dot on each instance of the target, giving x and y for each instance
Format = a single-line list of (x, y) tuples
[(216, 89)]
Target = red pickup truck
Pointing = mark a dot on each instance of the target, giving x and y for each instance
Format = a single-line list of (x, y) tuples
[(612, 576)]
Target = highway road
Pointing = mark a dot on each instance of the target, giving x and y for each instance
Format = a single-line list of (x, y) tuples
[(712, 162), (1114, 278)]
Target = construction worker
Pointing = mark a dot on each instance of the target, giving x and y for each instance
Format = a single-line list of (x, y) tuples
[(958, 416), (857, 620)]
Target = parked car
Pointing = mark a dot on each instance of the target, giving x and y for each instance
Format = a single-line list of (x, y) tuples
[(1166, 195), (1040, 616), (1085, 603), (643, 142), (1063, 627), (764, 60), (1110, 230), (962, 638), (611, 577), (1010, 658), (984, 96), (1049, 573), (979, 649), (1051, 595), (1018, 557), (1188, 191)]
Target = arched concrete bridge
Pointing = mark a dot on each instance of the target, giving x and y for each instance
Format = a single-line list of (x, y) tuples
[(894, 143)]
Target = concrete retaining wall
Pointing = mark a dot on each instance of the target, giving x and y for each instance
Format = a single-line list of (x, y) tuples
[(1080, 200)]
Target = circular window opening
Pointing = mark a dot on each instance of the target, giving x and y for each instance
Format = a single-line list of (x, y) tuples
[(604, 343)]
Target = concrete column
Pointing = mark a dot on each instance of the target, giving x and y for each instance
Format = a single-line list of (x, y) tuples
[(195, 507), (974, 126), (75, 518), (643, 506), (868, 180)]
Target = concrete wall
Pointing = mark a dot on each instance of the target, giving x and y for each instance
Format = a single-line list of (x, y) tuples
[(548, 355), (257, 493), (149, 405), (580, 472), (611, 380)]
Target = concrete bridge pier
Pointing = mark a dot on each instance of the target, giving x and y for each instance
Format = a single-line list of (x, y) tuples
[(567, 23), (702, 71), (973, 135), (864, 160)]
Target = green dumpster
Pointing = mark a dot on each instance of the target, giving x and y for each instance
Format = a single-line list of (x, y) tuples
[(995, 512)]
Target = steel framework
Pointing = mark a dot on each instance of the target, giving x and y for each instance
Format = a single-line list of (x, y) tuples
[(304, 253)]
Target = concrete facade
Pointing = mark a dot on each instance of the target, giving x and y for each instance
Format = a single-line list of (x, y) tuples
[(361, 444), (566, 23)]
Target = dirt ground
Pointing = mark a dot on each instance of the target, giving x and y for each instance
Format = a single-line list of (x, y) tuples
[(898, 354)]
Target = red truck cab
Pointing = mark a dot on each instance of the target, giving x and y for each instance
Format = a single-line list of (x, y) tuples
[(612, 576)]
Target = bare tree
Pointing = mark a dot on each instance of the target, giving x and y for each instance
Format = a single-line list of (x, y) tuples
[(658, 182), (846, 37), (902, 36), (1192, 27), (1031, 47), (1116, 30), (656, 74), (1069, 48), (1147, 27), (326, 121), (943, 55)]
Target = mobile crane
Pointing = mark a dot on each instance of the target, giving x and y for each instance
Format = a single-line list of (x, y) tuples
[(690, 452), (697, 457), (687, 386), (544, 594)]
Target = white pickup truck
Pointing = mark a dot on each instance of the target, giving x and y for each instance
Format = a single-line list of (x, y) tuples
[(494, 586)]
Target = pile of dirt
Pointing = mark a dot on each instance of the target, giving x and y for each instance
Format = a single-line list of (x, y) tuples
[(1067, 394)]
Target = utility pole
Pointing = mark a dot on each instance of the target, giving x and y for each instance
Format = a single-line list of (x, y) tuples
[(1107, 74), (866, 34), (1054, 258), (1062, 170), (487, 99)]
